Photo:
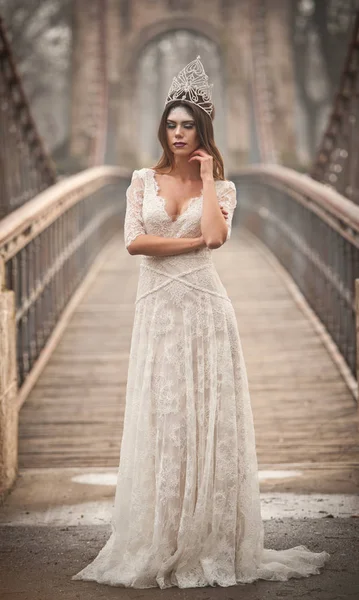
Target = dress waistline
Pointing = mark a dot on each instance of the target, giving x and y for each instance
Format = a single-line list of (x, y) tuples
[(181, 278)]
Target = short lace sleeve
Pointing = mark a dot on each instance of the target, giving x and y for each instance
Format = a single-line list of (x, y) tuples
[(228, 199), (133, 222)]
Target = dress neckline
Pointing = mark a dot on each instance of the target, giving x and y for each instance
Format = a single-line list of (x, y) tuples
[(189, 201)]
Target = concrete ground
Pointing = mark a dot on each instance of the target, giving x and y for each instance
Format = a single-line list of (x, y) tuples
[(55, 521), (37, 564)]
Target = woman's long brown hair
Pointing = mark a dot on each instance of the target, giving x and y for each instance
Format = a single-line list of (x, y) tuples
[(205, 134)]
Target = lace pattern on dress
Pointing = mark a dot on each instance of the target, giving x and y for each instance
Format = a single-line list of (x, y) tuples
[(143, 183), (133, 223), (187, 505)]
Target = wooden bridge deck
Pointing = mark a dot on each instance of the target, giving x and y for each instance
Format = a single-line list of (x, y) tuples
[(304, 412)]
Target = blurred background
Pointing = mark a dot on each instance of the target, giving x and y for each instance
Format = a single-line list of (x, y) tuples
[(96, 73), (82, 87)]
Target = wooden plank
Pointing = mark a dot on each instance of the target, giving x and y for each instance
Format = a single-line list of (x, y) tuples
[(303, 409)]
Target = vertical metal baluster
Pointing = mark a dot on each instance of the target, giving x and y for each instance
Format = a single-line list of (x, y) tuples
[(56, 274), (37, 303), (61, 253), (68, 265), (25, 318), (46, 292), (52, 279), (31, 289)]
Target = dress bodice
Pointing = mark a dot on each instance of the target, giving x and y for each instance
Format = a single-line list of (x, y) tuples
[(146, 213), (156, 219)]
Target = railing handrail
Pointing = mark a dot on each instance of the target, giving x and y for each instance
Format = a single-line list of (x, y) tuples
[(314, 233), (68, 191), (48, 248), (326, 197), (50, 204)]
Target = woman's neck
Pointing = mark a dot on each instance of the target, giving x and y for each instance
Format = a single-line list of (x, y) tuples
[(185, 170)]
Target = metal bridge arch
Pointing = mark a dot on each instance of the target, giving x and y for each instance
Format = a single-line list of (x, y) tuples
[(226, 50), (123, 47), (159, 28), (157, 62)]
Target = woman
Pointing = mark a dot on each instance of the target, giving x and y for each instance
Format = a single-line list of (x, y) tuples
[(187, 504)]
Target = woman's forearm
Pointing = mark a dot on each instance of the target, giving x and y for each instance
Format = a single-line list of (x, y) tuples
[(213, 225), (153, 245)]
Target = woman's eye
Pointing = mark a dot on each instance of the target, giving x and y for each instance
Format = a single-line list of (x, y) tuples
[(171, 126)]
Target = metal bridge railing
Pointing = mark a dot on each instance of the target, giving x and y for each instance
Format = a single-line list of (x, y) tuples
[(46, 249), (314, 232)]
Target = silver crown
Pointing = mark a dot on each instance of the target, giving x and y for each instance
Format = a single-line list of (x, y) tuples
[(191, 84)]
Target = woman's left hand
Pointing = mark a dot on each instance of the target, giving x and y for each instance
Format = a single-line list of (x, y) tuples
[(206, 163)]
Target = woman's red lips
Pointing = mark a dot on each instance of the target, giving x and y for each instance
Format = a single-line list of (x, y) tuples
[(179, 144)]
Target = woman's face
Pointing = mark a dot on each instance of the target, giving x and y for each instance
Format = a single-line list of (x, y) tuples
[(181, 129)]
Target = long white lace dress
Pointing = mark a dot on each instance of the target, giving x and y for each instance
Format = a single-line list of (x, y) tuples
[(187, 504)]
